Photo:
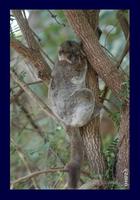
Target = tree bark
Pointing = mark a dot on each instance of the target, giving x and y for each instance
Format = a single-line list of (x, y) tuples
[(96, 56), (33, 51), (90, 133), (122, 167)]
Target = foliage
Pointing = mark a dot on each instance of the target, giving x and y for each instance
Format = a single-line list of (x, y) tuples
[(111, 158)]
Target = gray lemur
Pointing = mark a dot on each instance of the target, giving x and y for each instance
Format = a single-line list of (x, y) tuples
[(71, 102), (69, 99)]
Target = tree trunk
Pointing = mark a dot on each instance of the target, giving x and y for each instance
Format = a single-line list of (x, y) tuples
[(96, 56), (122, 167), (90, 132)]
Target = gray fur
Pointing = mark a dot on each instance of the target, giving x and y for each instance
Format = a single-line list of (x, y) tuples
[(69, 98)]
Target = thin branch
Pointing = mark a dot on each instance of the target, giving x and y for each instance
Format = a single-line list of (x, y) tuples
[(107, 110), (28, 91), (117, 65), (31, 83), (31, 120), (123, 23), (45, 54), (125, 28), (124, 53), (111, 55), (41, 49), (108, 34), (55, 18), (24, 160), (37, 173), (111, 102), (59, 179), (18, 126), (105, 92), (15, 96)]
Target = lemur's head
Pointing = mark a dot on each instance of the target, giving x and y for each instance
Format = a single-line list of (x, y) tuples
[(70, 51)]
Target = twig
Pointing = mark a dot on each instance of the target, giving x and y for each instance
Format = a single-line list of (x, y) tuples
[(15, 96), (123, 23), (125, 28), (45, 54), (58, 180), (86, 173), (41, 49), (30, 83), (105, 99), (14, 124), (37, 173), (105, 44), (107, 110), (125, 51), (39, 101), (55, 18), (24, 14), (31, 120), (24, 160), (113, 57)]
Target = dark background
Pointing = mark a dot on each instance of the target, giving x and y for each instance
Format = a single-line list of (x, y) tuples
[(5, 6)]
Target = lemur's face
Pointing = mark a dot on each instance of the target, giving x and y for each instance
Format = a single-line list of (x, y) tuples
[(69, 51)]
